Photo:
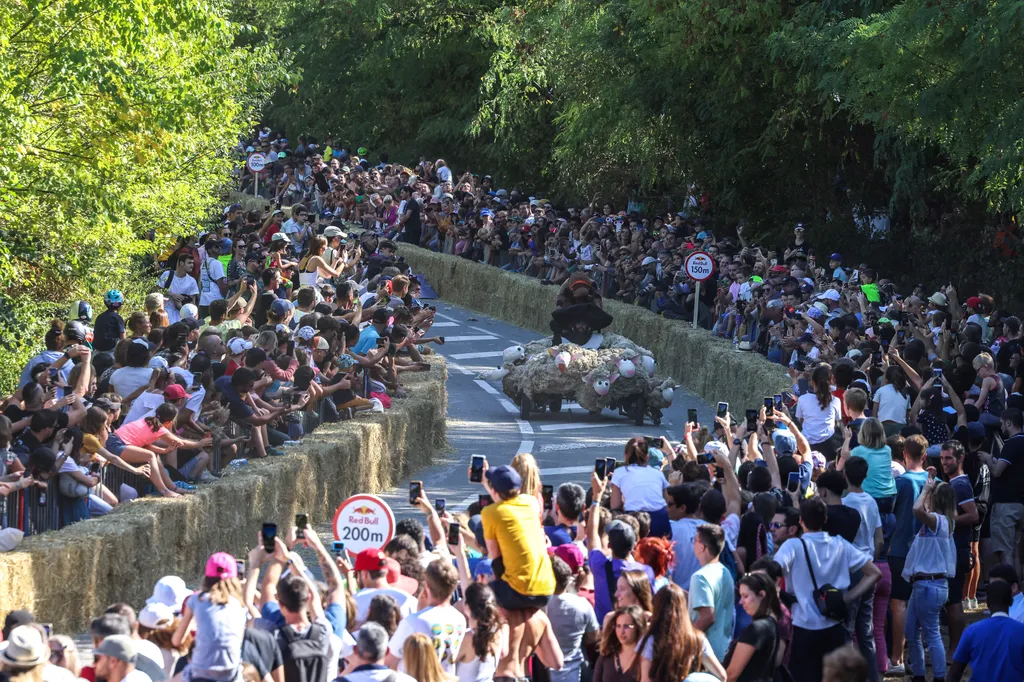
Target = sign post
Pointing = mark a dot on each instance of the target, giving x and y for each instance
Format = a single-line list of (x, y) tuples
[(363, 522), (256, 162), (699, 266)]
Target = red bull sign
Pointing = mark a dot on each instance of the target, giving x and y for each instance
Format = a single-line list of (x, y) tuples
[(363, 522)]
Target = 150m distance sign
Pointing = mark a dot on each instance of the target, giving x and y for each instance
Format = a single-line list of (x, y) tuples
[(364, 522), (699, 266)]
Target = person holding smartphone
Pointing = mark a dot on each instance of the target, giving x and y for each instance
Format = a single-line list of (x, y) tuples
[(638, 486)]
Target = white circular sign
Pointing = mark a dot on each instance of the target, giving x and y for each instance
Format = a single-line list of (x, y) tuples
[(363, 522), (699, 265), (257, 161)]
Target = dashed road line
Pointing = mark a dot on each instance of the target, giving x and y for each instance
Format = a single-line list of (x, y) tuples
[(486, 386), (475, 356), (456, 339), (509, 407), (525, 446), (524, 427), (570, 427)]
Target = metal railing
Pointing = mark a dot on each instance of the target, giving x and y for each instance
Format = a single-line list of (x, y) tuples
[(36, 510)]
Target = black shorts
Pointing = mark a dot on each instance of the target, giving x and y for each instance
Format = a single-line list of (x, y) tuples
[(900, 587), (956, 583), (511, 600)]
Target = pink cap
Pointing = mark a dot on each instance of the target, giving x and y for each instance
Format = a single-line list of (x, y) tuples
[(570, 554), (221, 565)]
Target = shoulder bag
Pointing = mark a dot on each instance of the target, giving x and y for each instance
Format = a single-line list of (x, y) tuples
[(827, 598)]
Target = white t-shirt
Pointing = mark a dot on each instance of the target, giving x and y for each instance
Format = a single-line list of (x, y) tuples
[(127, 380), (292, 228), (834, 559), (144, 406), (185, 285), (869, 520), (195, 403), (892, 405), (211, 271), (406, 602), (642, 487), (377, 673), (444, 174), (444, 625), (818, 424)]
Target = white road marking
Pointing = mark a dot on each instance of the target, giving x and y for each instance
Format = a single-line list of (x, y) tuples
[(566, 470), (481, 329), (525, 446), (524, 427), (445, 324), (557, 447), (445, 317), (461, 506), (509, 407), (570, 427), (487, 387), (459, 368), (488, 337), (475, 356)]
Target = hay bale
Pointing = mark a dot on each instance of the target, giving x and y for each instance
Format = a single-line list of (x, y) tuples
[(69, 576), (706, 365)]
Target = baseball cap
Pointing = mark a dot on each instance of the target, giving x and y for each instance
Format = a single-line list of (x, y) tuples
[(486, 567), (121, 647), (774, 303), (238, 345), (332, 232), (648, 260), (281, 306), (305, 333), (504, 479), (16, 618), (570, 554), (221, 565), (175, 392), (402, 582), (836, 257), (829, 295), (784, 442), (279, 237), (322, 344), (371, 559), (189, 311), (976, 431), (621, 538), (381, 315), (973, 302)]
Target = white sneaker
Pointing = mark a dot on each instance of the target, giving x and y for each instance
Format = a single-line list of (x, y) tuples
[(207, 477), (895, 669), (972, 603), (378, 406)]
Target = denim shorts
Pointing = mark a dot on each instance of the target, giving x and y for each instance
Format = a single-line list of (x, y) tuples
[(115, 445)]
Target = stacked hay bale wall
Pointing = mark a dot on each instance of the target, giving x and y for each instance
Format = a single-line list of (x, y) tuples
[(69, 576), (705, 365)]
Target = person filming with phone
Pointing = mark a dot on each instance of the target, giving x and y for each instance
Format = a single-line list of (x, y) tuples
[(640, 485)]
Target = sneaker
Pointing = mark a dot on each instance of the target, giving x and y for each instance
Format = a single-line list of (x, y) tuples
[(895, 669), (207, 477), (973, 603), (378, 406), (275, 452), (185, 486)]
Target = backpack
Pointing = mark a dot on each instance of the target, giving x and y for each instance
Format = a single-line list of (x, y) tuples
[(305, 656)]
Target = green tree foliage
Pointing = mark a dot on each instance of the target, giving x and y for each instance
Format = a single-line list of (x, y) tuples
[(116, 118)]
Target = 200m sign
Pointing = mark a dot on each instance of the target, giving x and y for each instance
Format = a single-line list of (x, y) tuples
[(363, 522)]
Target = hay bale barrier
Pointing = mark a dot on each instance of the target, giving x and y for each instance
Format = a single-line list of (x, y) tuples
[(704, 364), (69, 576)]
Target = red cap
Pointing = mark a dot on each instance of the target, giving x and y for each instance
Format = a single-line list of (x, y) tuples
[(780, 268), (974, 302), (395, 577), (370, 560), (175, 392)]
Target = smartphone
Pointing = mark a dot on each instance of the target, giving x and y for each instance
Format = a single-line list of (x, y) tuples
[(778, 401), (269, 534), (937, 372), (338, 547), (53, 374), (610, 464), (691, 415), (901, 335), (453, 534), (439, 505), (793, 481), (723, 409), (705, 458), (301, 521), (484, 500), (600, 466), (547, 492), (769, 405), (94, 468), (876, 357), (240, 567), (751, 420), (885, 343), (381, 341), (197, 378), (476, 469), (415, 491)]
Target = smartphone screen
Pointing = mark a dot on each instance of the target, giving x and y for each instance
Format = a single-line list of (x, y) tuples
[(793, 482), (938, 372), (484, 500), (600, 466), (476, 474), (439, 504), (301, 521), (269, 533), (769, 405), (751, 420), (705, 458), (778, 401), (901, 335), (338, 547), (548, 493), (723, 409), (415, 491), (610, 464), (453, 534), (691, 415), (240, 567)]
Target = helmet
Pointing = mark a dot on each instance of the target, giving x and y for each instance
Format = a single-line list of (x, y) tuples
[(76, 331), (113, 297), (80, 310)]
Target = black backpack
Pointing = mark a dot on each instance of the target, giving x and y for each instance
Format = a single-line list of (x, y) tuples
[(305, 656)]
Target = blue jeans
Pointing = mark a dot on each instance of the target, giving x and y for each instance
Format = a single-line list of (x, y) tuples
[(860, 625), (927, 599)]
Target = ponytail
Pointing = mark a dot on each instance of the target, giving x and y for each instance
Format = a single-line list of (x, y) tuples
[(897, 379), (821, 380)]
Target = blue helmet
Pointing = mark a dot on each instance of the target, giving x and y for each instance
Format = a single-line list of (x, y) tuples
[(80, 310), (113, 297)]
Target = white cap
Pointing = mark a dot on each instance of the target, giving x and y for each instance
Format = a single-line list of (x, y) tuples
[(830, 295), (238, 345), (648, 260), (189, 311)]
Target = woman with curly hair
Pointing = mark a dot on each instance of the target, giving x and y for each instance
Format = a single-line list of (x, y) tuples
[(672, 648), (384, 611), (659, 555), (486, 642)]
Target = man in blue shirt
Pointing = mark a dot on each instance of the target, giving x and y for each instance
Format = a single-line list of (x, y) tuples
[(569, 503), (368, 337), (994, 647)]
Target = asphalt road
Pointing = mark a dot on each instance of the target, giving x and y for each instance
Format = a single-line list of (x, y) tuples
[(483, 421)]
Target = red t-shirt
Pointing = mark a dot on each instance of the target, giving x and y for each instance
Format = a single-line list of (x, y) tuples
[(232, 366)]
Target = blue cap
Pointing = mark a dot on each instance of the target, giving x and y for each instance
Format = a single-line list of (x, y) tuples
[(486, 211), (784, 442), (836, 256), (281, 306), (976, 431), (504, 479), (476, 525), (326, 214), (225, 244), (483, 567), (702, 235)]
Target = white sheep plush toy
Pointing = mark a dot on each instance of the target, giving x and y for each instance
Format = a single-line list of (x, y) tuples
[(513, 354)]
